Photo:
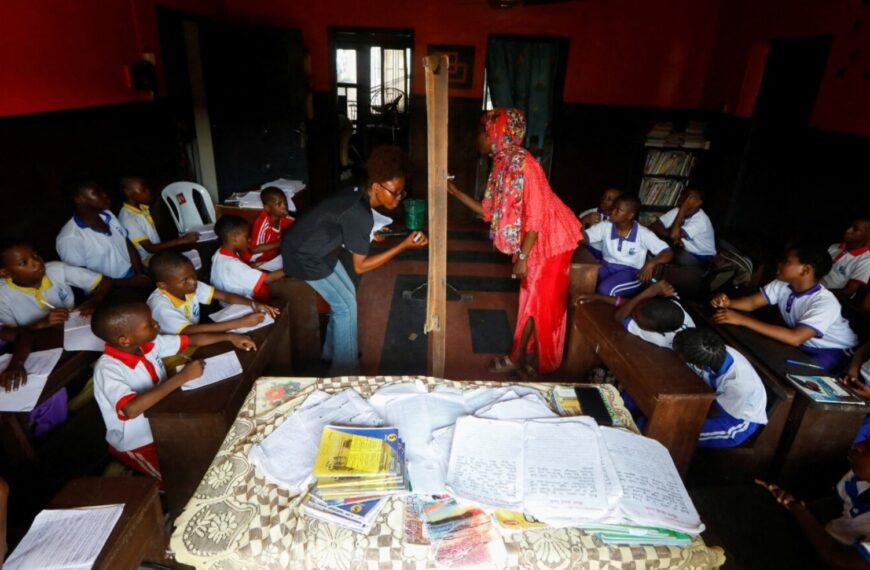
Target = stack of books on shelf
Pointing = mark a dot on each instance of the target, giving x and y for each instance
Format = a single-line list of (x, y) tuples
[(356, 469), (669, 163), (661, 191), (663, 134)]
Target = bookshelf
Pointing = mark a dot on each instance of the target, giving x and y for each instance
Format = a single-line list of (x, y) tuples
[(671, 158)]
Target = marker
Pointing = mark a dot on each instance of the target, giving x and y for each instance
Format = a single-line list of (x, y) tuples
[(417, 237), (807, 364)]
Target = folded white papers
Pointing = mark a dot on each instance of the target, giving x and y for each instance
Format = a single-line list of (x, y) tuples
[(216, 369), (286, 456), (290, 187), (381, 221), (206, 233), (231, 312), (273, 264), (38, 366), (77, 334), (65, 539), (194, 258)]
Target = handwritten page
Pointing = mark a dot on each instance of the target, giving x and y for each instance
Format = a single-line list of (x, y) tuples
[(273, 264), (65, 539), (216, 368), (654, 494), (38, 366), (194, 258), (236, 311), (381, 221), (77, 334)]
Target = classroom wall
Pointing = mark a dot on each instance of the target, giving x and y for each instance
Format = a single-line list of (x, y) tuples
[(745, 28)]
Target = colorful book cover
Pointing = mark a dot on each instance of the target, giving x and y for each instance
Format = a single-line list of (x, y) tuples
[(824, 389), (358, 452)]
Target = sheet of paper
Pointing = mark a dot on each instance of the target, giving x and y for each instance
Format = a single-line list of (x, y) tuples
[(286, 456), (194, 258), (217, 368), (381, 221), (654, 494), (231, 312), (38, 366), (68, 538), (273, 264), (291, 187), (77, 334), (514, 407), (206, 233)]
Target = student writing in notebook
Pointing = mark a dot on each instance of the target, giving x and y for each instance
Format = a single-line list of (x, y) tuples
[(95, 239), (229, 270), (812, 315), (175, 304), (130, 377), (135, 216), (270, 225)]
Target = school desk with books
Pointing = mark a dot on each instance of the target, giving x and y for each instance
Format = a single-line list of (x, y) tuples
[(261, 522)]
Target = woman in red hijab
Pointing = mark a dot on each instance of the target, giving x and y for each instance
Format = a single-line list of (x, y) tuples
[(530, 223)]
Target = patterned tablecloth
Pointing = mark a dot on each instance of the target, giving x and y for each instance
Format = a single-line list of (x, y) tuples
[(238, 520)]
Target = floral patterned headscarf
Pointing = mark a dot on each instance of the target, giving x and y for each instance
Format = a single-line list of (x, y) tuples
[(503, 201)]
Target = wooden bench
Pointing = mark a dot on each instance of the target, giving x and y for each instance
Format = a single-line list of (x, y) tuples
[(139, 534), (190, 426), (674, 400)]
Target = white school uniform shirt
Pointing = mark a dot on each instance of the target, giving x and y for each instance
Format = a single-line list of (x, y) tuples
[(739, 389), (119, 377), (630, 250), (816, 308), (140, 227), (853, 527), (80, 245), (174, 314), (698, 235), (848, 264), (664, 340), (22, 306), (229, 273)]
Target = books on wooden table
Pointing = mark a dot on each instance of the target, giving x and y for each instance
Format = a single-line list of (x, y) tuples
[(824, 389)]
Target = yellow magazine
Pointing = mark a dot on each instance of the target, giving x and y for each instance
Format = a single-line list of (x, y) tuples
[(357, 452)]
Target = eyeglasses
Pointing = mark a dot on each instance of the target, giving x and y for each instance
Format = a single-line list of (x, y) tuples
[(393, 193)]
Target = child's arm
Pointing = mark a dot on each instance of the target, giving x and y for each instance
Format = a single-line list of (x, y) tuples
[(659, 229), (646, 272), (365, 263), (750, 303), (850, 288), (140, 278), (862, 354), (257, 306), (584, 298), (248, 320), (186, 239), (15, 375), (591, 218), (241, 341), (54, 317), (662, 288), (273, 276), (89, 306), (147, 400), (792, 336), (266, 247)]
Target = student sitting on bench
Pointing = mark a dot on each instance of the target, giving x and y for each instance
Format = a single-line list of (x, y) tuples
[(845, 541), (741, 401), (653, 314), (689, 229), (601, 213), (851, 270), (811, 312)]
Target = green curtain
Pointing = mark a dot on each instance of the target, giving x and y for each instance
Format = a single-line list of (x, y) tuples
[(522, 73)]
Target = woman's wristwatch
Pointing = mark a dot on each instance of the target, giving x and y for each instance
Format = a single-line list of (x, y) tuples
[(522, 256)]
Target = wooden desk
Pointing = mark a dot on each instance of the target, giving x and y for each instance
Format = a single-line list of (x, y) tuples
[(139, 534), (189, 427), (812, 451), (674, 400)]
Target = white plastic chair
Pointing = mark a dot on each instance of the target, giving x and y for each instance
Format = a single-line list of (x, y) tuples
[(189, 205)]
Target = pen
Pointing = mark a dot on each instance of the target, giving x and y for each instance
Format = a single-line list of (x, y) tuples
[(676, 295), (47, 304), (807, 364)]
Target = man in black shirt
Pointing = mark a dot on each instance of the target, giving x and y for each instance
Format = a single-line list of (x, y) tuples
[(309, 249)]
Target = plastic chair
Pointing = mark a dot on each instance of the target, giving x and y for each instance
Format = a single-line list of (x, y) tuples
[(189, 204)]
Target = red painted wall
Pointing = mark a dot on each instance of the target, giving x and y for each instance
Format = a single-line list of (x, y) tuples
[(747, 26), (622, 52), (63, 54)]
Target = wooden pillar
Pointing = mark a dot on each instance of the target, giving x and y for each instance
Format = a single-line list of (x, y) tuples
[(436, 127)]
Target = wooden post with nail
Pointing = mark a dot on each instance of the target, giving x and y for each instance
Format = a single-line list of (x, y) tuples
[(437, 67)]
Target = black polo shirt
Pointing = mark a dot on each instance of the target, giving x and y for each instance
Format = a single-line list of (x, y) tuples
[(342, 220)]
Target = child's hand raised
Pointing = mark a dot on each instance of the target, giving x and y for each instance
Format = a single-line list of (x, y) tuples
[(242, 342), (193, 370), (721, 301)]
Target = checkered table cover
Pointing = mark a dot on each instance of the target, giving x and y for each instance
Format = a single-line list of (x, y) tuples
[(237, 520)]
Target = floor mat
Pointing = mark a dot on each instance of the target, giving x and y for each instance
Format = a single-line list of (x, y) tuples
[(490, 331)]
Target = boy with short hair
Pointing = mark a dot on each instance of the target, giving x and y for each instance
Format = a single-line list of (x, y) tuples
[(270, 225), (135, 216), (39, 294), (811, 313), (228, 271), (175, 303), (95, 239), (624, 245), (741, 400), (851, 261), (689, 228), (130, 378), (601, 213)]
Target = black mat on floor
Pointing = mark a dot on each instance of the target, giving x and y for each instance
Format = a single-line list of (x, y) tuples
[(402, 354), (490, 331)]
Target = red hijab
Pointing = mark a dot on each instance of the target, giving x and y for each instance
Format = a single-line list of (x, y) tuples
[(503, 201)]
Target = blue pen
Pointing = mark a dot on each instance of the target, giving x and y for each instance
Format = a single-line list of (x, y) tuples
[(676, 296), (807, 364)]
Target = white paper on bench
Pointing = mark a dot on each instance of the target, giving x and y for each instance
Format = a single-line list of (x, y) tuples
[(77, 334), (217, 368), (234, 312), (38, 366)]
